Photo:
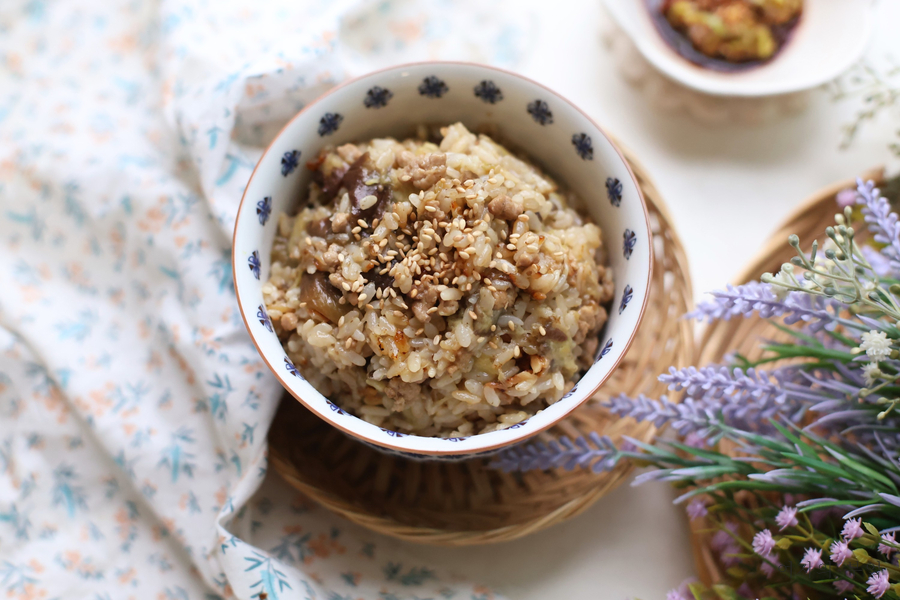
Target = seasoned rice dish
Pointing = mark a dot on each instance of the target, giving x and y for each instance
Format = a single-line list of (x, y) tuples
[(441, 289)]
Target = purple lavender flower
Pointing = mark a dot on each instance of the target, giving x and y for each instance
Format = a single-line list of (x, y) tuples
[(882, 222), (787, 517), (852, 529), (745, 399), (696, 509), (881, 264), (744, 300), (883, 548), (763, 543), (812, 559), (878, 583), (595, 451), (685, 417), (840, 552)]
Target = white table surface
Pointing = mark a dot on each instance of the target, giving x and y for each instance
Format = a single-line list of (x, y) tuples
[(727, 186)]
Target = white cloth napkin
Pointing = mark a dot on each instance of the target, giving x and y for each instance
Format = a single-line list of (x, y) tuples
[(133, 407)]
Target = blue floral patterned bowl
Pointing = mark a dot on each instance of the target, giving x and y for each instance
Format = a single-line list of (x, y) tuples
[(550, 130)]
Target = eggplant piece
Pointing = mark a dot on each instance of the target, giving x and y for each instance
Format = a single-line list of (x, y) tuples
[(355, 181), (322, 297), (319, 227)]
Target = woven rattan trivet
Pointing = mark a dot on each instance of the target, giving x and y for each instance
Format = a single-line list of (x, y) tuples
[(808, 221), (466, 502)]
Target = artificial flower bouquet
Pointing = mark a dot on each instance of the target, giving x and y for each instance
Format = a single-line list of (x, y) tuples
[(794, 470)]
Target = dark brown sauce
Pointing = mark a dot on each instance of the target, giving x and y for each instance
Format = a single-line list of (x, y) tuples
[(683, 46)]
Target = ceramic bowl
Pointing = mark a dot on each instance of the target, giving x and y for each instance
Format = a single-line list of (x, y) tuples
[(548, 128), (829, 38)]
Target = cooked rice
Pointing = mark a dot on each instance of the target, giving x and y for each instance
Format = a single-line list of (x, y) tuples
[(442, 290)]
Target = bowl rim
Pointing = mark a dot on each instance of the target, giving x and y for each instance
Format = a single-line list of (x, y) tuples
[(521, 433)]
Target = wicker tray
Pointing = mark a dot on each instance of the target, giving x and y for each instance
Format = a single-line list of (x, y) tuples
[(466, 502), (808, 221)]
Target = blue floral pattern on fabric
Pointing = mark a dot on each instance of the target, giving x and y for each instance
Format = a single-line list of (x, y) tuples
[(329, 123), (489, 92), (377, 97), (614, 191), (583, 146), (289, 162), (134, 459), (627, 294), (432, 87), (540, 112), (628, 243), (254, 263), (264, 209)]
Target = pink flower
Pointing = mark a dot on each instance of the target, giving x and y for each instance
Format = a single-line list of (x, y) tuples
[(763, 543), (846, 197), (695, 441), (724, 544), (812, 559), (722, 539), (840, 552), (696, 509), (770, 566), (852, 529), (787, 517), (884, 548), (682, 592), (843, 586), (878, 583)]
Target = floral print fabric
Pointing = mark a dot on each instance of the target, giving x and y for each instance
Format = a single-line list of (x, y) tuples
[(133, 406)]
